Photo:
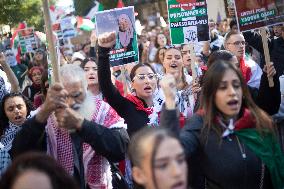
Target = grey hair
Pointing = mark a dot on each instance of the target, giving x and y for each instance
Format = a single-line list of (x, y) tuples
[(73, 73)]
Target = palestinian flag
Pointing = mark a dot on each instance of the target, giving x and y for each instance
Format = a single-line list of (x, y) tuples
[(85, 24), (15, 44), (267, 148), (120, 4), (96, 8)]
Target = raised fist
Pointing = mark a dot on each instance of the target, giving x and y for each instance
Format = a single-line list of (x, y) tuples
[(107, 40)]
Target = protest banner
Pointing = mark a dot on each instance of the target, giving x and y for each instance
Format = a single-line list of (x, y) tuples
[(188, 21), (27, 40), (122, 22), (67, 27), (253, 14), (56, 28)]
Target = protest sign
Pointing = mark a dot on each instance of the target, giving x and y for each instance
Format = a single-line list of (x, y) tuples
[(27, 40), (122, 22), (67, 27), (253, 14), (188, 21)]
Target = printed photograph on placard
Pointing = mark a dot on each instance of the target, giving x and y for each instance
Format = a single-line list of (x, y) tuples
[(121, 21), (253, 14), (188, 21), (27, 40)]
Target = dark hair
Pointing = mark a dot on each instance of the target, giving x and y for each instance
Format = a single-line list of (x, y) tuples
[(220, 55), (133, 70), (86, 60), (157, 59), (39, 162), (211, 82), (43, 62), (233, 23), (44, 78), (135, 153), (3, 117), (156, 42), (85, 44)]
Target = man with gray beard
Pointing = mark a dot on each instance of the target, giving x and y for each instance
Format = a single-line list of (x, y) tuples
[(81, 132)]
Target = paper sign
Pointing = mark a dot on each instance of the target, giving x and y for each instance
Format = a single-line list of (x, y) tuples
[(188, 21), (27, 40), (253, 14), (123, 23)]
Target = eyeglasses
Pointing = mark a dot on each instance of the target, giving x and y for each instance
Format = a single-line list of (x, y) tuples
[(142, 77), (238, 43), (170, 47), (9, 54)]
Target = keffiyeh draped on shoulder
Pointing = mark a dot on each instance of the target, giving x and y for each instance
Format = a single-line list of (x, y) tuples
[(97, 170), (6, 144)]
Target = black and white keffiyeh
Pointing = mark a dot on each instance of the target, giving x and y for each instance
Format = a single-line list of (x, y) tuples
[(6, 144), (3, 90)]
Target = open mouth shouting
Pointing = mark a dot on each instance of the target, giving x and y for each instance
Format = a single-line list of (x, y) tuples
[(148, 89), (233, 104), (179, 185)]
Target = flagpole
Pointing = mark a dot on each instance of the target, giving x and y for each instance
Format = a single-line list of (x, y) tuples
[(51, 45)]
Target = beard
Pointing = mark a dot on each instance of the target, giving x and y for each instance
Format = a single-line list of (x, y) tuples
[(87, 108)]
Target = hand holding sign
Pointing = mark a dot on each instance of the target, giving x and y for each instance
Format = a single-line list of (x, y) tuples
[(107, 39)]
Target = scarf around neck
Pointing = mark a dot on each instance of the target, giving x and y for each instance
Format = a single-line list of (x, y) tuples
[(264, 144), (96, 167), (139, 104), (6, 145)]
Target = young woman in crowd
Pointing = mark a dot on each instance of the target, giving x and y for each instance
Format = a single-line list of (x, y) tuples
[(40, 59), (262, 95), (158, 160), (35, 74), (44, 85), (91, 69), (35, 170), (161, 41), (199, 64), (14, 110), (230, 141), (137, 109), (187, 89), (158, 63)]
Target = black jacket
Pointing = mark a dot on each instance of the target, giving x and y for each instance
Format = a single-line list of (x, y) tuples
[(135, 119), (110, 143), (218, 163), (268, 99)]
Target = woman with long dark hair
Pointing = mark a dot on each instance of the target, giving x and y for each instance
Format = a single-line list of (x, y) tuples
[(230, 141)]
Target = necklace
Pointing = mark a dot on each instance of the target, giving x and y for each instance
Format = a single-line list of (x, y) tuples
[(242, 149)]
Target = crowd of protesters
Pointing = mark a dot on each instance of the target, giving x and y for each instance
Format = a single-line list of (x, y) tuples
[(149, 125)]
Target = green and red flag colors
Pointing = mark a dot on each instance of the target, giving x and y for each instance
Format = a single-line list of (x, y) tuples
[(188, 21)]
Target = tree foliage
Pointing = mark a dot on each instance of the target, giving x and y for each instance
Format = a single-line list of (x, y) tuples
[(15, 11), (83, 6)]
